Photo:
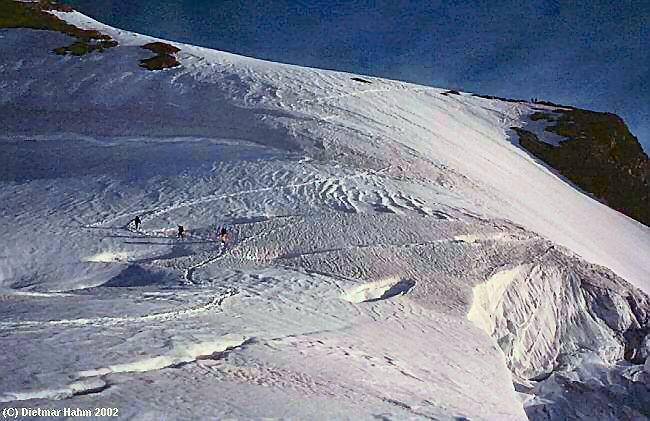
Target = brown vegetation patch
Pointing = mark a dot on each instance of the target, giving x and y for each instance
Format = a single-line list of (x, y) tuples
[(544, 116), (160, 62), (15, 14), (161, 48), (80, 48)]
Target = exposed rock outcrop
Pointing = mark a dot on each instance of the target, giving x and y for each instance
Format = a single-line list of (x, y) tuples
[(34, 15), (599, 154), (164, 58)]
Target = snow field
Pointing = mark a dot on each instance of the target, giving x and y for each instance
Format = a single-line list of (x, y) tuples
[(368, 221)]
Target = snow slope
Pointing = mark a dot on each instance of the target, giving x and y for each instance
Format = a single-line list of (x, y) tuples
[(221, 95), (364, 217)]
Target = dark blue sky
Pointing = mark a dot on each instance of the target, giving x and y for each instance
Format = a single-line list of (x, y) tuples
[(592, 54)]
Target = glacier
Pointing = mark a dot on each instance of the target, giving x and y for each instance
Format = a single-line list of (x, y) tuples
[(395, 253)]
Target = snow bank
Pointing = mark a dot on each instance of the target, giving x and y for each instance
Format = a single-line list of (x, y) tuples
[(378, 290), (181, 354), (108, 257)]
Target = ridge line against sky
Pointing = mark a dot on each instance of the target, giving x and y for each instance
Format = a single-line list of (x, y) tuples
[(592, 55)]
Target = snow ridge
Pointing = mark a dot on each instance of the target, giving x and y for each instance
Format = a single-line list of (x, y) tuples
[(92, 381)]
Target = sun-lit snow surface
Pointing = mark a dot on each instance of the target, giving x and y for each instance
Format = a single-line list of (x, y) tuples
[(365, 217)]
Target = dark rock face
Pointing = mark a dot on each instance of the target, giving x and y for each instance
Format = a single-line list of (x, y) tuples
[(161, 48), (358, 79), (164, 59), (52, 5), (599, 155)]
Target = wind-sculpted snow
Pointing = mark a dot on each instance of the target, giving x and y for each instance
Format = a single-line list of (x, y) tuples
[(455, 144), (305, 336), (365, 221), (82, 387), (378, 290), (559, 321), (90, 381), (176, 359)]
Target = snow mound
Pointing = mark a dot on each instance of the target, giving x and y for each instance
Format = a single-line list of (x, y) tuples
[(179, 356), (108, 257), (378, 290)]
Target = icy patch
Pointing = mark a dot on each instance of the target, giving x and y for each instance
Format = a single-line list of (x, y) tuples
[(593, 390), (489, 295), (540, 317), (378, 290), (570, 333), (468, 238), (6, 293), (565, 328), (539, 129), (108, 257)]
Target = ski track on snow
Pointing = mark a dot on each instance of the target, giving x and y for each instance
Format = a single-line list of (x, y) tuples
[(361, 340), (214, 304), (211, 198)]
